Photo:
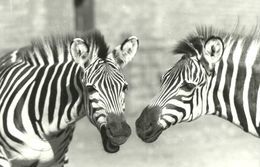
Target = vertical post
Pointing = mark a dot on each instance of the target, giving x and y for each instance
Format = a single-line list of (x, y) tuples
[(84, 15)]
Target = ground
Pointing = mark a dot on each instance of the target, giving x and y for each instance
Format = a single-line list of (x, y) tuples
[(208, 141)]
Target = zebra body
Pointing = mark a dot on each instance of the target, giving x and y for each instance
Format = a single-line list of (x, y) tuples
[(44, 91), (33, 130), (218, 74)]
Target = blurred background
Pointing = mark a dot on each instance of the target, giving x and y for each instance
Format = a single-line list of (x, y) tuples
[(208, 141)]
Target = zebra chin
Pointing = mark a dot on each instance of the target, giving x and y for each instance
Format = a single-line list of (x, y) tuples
[(149, 135), (150, 138)]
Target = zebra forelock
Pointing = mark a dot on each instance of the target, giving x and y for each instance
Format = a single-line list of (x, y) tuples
[(193, 43)]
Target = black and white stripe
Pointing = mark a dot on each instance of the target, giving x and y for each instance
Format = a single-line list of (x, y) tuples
[(230, 90), (36, 103), (45, 88), (111, 80)]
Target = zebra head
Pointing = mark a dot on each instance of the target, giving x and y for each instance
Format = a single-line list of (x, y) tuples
[(183, 88), (106, 87)]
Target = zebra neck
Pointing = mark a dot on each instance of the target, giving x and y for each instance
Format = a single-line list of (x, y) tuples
[(234, 89), (66, 99)]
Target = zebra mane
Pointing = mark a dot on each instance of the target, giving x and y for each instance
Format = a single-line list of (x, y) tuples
[(56, 43), (195, 41)]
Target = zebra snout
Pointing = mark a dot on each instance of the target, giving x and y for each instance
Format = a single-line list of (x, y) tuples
[(147, 127), (118, 131)]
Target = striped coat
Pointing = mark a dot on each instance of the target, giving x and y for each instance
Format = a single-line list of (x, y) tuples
[(47, 87), (219, 74)]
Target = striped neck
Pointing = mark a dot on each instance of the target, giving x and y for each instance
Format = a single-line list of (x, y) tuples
[(67, 104), (235, 87)]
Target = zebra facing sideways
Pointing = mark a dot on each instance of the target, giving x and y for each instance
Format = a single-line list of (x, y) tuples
[(45, 88), (219, 74)]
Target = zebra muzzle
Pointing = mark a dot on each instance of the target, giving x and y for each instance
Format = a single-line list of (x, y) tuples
[(107, 144), (147, 127), (114, 136)]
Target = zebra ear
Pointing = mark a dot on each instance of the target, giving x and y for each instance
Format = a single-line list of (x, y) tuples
[(212, 52), (125, 52), (79, 51)]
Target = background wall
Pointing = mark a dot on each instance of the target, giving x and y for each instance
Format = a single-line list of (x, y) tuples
[(22, 20), (209, 141)]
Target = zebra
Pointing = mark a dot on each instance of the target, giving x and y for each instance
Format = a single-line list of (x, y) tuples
[(46, 87), (218, 74)]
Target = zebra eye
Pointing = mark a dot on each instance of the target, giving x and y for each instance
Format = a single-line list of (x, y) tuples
[(91, 89), (188, 86), (125, 88)]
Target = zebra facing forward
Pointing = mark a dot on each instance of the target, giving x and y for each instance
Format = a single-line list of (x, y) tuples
[(46, 87), (219, 74)]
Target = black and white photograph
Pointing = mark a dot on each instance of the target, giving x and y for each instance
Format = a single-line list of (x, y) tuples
[(129, 83)]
